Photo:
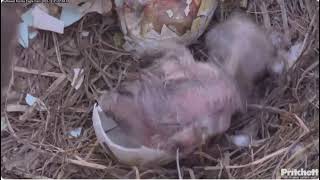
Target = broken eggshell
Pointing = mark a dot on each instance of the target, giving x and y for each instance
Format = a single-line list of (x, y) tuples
[(122, 147), (146, 22)]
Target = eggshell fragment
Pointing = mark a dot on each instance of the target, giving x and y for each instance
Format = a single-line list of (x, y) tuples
[(122, 147)]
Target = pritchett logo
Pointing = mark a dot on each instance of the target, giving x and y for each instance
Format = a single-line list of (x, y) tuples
[(299, 173)]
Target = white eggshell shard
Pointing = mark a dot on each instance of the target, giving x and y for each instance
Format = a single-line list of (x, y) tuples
[(241, 140), (124, 148)]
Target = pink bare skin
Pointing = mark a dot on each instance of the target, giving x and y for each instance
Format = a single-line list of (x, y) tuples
[(174, 103), (243, 49)]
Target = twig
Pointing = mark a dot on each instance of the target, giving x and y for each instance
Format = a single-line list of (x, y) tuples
[(264, 168), (27, 175), (244, 3), (306, 36), (280, 111), (266, 17), (207, 156), (137, 172), (249, 164), (226, 162), (120, 51), (16, 108), (36, 72), (310, 68), (268, 108), (10, 127), (308, 7), (91, 150), (57, 49), (47, 121), (284, 18), (87, 164), (191, 173), (53, 87), (95, 65), (314, 143), (286, 153), (302, 124), (253, 12), (178, 164), (120, 76)]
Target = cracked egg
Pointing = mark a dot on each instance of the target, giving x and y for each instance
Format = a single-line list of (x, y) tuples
[(146, 22)]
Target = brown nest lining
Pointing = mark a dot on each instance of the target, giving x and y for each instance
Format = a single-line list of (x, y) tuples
[(36, 143)]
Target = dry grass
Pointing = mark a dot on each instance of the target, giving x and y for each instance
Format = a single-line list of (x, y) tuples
[(36, 144)]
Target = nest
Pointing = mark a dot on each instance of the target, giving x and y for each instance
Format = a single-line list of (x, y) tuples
[(37, 143)]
